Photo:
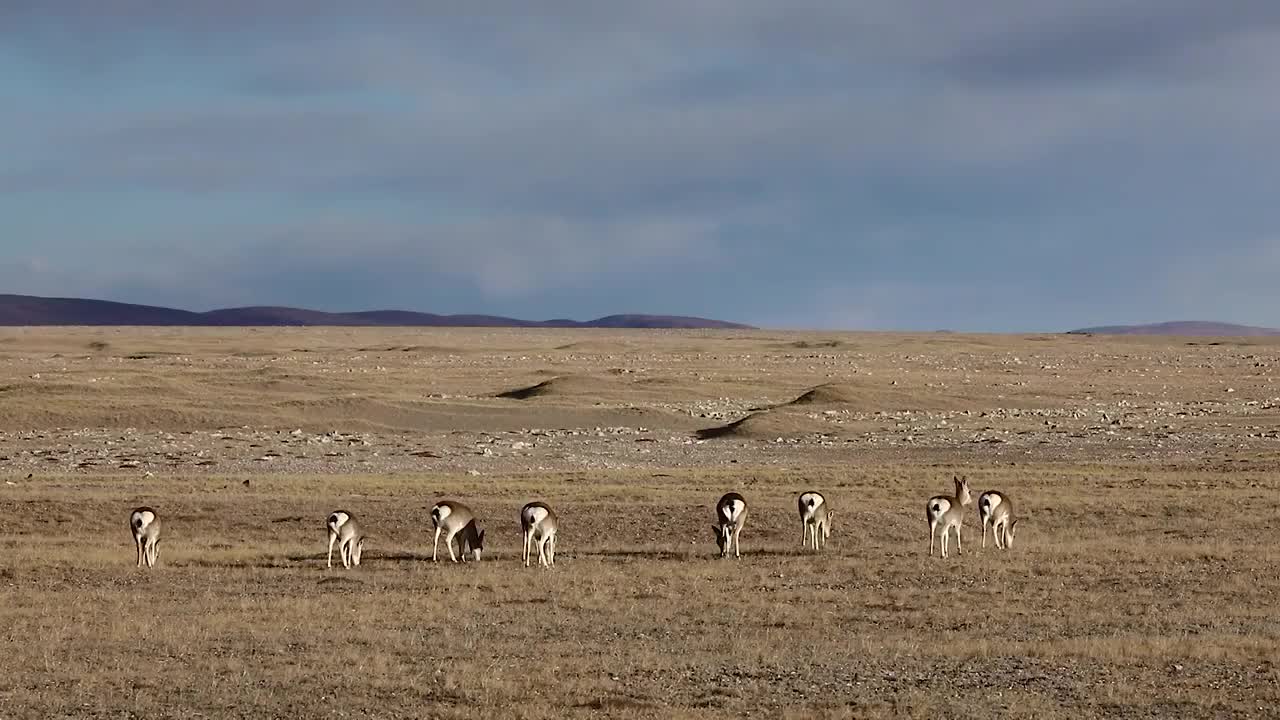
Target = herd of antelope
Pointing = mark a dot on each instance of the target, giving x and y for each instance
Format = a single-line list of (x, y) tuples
[(538, 525)]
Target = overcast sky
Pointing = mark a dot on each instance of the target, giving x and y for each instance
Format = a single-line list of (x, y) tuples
[(1003, 165)]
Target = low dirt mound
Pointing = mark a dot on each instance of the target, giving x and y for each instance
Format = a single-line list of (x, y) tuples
[(596, 347), (575, 386), (134, 414), (470, 416), (827, 394), (426, 349), (366, 413), (767, 425), (816, 344), (869, 397), (267, 380)]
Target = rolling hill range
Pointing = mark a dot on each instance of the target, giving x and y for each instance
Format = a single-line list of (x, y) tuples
[(1181, 327), (29, 310)]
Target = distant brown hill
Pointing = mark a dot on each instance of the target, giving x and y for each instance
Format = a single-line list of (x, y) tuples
[(22, 310), (1181, 327)]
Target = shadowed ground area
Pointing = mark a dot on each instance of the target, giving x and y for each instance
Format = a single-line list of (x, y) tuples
[(1142, 583)]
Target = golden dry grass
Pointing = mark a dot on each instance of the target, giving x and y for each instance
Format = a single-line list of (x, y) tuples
[(1143, 582)]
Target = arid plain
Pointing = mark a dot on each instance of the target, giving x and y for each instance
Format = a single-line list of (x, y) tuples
[(1143, 582)]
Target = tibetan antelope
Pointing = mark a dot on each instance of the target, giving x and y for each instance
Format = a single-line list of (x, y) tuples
[(815, 520), (346, 532), (947, 511), (145, 526), (995, 509), (455, 519), (731, 515), (539, 525)]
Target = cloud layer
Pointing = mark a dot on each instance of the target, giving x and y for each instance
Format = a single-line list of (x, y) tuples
[(1001, 165)]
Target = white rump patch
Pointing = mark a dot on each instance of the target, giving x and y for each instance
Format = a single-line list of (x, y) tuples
[(146, 516), (534, 515), (733, 509), (993, 501), (440, 512), (812, 501), (939, 506), (338, 519)]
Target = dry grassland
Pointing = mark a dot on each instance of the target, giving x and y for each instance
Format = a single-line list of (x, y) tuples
[(1143, 582)]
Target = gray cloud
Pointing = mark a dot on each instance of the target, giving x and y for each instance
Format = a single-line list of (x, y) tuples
[(1079, 42), (503, 257), (837, 157)]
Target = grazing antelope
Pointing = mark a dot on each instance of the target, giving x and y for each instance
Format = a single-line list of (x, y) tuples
[(344, 529), (731, 515), (455, 519), (145, 526), (996, 509), (539, 524), (948, 512), (815, 520)]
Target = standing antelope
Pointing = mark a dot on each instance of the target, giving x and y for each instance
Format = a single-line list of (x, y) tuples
[(145, 526), (344, 529), (815, 520), (539, 524), (454, 518), (731, 515), (996, 509), (948, 512)]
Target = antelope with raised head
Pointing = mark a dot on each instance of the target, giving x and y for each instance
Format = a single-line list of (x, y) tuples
[(995, 509), (946, 512), (731, 515), (456, 520), (344, 530), (815, 520), (539, 525), (145, 526)]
